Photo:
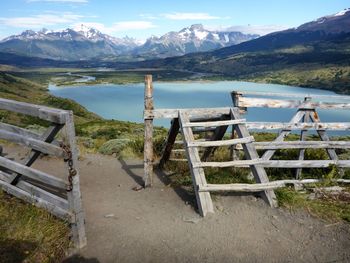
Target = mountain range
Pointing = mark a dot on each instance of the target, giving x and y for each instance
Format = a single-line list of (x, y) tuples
[(86, 43)]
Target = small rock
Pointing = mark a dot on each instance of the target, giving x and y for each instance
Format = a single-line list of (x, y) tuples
[(88, 163), (220, 208), (275, 217), (119, 185), (192, 220), (312, 196), (114, 155), (109, 215)]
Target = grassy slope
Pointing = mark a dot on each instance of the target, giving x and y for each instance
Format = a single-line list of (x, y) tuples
[(30, 234)]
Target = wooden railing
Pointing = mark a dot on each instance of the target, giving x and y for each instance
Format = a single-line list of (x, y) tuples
[(60, 197), (217, 120)]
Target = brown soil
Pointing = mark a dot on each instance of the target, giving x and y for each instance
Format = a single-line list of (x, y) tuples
[(160, 224)]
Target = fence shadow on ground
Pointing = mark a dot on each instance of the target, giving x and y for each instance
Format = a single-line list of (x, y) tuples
[(16, 250)]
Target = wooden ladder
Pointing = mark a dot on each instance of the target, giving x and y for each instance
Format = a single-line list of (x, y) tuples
[(201, 187)]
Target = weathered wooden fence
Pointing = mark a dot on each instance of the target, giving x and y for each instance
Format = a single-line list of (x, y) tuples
[(60, 197), (217, 121)]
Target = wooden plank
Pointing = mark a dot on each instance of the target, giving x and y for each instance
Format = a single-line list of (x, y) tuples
[(259, 187), (276, 163), (173, 132), (302, 145), (19, 193), (204, 202), (273, 103), (236, 163), (35, 144), (213, 123), (42, 112), (148, 143), (292, 95), (324, 136), (74, 196), (284, 133), (218, 135), (178, 160), (251, 153), (332, 126), (204, 113), (48, 136), (36, 191), (221, 143), (32, 173)]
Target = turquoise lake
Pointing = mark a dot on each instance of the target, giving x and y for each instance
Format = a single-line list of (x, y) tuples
[(125, 102)]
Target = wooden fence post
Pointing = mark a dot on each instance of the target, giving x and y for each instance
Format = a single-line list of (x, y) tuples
[(74, 195), (235, 100), (148, 144)]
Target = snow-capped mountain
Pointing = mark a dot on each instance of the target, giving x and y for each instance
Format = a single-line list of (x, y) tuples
[(84, 43), (190, 39), (68, 44)]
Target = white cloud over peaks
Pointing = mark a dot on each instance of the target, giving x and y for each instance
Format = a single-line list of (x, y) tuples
[(38, 21), (59, 1), (117, 27), (189, 16), (252, 29)]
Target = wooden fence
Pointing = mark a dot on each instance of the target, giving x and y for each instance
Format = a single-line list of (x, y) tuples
[(217, 120), (60, 197)]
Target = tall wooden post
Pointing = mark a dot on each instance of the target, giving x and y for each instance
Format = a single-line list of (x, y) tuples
[(148, 144), (235, 100), (74, 194)]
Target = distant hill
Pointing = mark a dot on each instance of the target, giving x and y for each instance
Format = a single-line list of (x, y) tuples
[(321, 46), (86, 43)]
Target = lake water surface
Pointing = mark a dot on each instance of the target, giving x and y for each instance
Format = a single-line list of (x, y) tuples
[(125, 102)]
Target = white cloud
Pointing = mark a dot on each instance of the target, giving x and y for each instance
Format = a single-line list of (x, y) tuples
[(252, 29), (189, 16), (39, 21), (118, 26), (59, 1)]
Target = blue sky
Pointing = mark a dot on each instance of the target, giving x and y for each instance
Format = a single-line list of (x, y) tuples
[(140, 19)]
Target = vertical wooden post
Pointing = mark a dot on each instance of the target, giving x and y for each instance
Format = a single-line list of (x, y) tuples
[(235, 100), (148, 144), (74, 195), (303, 134)]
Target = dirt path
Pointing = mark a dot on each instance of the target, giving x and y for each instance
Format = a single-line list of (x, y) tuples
[(161, 225)]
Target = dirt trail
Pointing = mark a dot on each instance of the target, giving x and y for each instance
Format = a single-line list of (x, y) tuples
[(161, 225)]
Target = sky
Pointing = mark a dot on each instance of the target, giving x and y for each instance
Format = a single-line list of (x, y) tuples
[(141, 19)]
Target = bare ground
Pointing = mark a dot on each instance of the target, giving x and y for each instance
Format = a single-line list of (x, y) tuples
[(160, 224)]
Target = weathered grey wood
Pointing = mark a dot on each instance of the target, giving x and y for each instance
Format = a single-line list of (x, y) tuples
[(213, 123), (237, 163), (32, 173), (302, 145), (19, 193), (35, 144), (332, 126), (178, 151), (284, 133), (251, 153), (292, 95), (259, 187), (48, 136), (42, 112), (276, 163), (148, 143), (204, 113), (324, 136), (218, 135), (74, 196), (221, 143), (204, 202), (36, 191), (273, 103), (303, 134), (169, 143)]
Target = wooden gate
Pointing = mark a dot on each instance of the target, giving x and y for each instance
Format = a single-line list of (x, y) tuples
[(60, 197)]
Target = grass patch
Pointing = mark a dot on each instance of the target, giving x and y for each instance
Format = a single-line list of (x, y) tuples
[(30, 234), (327, 209)]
